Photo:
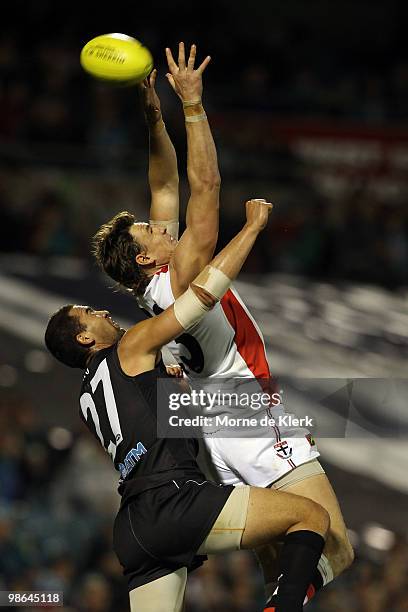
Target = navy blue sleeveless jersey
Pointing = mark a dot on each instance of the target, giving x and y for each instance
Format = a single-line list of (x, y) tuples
[(120, 410)]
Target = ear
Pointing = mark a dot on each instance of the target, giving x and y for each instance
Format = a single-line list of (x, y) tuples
[(144, 260), (85, 339)]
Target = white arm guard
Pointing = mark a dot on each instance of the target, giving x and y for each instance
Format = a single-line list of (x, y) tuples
[(189, 309), (215, 282)]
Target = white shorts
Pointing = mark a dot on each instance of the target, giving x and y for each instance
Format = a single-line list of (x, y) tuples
[(260, 461)]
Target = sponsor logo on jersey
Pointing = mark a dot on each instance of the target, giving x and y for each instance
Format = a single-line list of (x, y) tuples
[(131, 459), (283, 449), (310, 439)]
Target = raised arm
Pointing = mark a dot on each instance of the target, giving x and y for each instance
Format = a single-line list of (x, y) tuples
[(197, 244), (163, 173), (139, 346)]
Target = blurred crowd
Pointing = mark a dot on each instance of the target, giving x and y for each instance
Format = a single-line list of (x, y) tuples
[(51, 535), (273, 59), (56, 213), (74, 151), (57, 504)]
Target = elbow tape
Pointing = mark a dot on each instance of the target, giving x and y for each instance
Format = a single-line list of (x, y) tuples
[(189, 309), (215, 282)]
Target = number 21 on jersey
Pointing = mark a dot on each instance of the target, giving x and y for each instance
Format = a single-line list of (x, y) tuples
[(87, 403)]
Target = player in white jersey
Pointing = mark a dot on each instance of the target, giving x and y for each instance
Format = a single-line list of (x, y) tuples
[(148, 259), (228, 344)]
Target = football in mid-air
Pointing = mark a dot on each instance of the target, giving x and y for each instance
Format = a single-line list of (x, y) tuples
[(116, 58)]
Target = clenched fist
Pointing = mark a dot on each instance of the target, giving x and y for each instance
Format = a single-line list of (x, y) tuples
[(257, 213)]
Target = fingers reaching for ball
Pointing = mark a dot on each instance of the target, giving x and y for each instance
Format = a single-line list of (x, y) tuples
[(150, 100), (185, 79), (151, 80), (191, 59), (181, 57), (173, 67)]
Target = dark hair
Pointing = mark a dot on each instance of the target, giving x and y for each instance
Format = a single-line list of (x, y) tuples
[(115, 250), (60, 338)]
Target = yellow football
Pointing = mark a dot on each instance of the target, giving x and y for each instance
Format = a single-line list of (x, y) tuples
[(116, 58)]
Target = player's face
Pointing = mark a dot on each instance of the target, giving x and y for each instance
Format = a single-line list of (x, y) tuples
[(99, 327), (157, 245)]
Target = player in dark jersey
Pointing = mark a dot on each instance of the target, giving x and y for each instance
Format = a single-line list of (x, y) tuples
[(170, 515)]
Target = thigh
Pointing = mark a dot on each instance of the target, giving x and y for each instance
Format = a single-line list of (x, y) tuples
[(272, 513), (268, 556), (305, 481), (226, 532), (253, 517), (318, 489), (166, 594), (338, 548)]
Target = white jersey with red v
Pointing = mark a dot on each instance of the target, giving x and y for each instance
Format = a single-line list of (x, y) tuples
[(226, 343)]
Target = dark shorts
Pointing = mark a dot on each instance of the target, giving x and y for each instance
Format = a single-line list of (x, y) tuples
[(161, 529)]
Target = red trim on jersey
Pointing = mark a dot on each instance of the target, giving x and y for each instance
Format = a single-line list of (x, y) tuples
[(310, 593), (248, 341), (162, 270)]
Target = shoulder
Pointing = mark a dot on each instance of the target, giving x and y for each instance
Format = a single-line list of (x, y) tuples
[(160, 289), (132, 354), (93, 366)]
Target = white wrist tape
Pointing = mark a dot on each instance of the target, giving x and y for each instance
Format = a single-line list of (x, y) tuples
[(187, 103), (172, 226), (213, 281), (189, 309), (195, 118)]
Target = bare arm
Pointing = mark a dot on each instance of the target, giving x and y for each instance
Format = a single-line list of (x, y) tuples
[(138, 347), (163, 172), (197, 244)]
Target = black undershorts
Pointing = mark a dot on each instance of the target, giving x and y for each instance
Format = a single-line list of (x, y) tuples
[(161, 529)]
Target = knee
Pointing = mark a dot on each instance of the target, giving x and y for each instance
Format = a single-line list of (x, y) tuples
[(318, 517), (348, 554), (344, 555)]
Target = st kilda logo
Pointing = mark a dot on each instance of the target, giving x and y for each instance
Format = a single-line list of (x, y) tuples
[(283, 449)]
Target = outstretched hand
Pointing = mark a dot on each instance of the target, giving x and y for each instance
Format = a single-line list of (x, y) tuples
[(184, 79), (150, 99)]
